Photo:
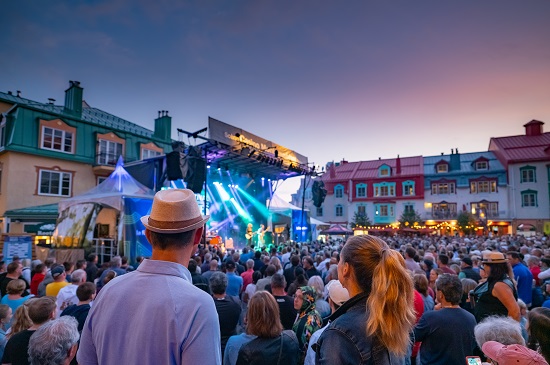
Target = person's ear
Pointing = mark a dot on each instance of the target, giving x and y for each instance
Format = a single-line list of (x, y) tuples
[(72, 352), (198, 236)]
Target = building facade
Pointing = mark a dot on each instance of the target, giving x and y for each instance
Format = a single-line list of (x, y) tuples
[(470, 182), (506, 189), (51, 152), (527, 161)]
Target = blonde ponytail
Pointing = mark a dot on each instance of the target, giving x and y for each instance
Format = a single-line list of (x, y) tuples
[(390, 303), (380, 272)]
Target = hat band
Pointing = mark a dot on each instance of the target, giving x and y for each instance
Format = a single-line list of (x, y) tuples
[(173, 225)]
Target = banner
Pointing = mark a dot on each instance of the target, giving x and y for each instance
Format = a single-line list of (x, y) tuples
[(75, 226), (301, 229), (134, 231), (239, 138)]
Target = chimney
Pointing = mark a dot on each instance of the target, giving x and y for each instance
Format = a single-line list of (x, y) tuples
[(18, 93), (455, 160), (398, 165), (332, 171), (533, 128), (163, 126), (51, 101), (73, 99)]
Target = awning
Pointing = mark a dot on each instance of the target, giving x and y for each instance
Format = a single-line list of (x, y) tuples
[(317, 222), (45, 213)]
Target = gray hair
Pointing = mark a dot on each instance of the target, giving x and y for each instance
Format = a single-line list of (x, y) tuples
[(501, 329), (218, 283), (450, 286), (249, 264), (77, 276), (51, 343), (317, 283), (116, 261)]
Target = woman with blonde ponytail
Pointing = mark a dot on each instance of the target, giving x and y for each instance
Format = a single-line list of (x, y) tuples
[(373, 326)]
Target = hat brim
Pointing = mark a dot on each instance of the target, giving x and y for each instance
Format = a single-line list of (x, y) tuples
[(491, 349), (504, 261), (145, 222)]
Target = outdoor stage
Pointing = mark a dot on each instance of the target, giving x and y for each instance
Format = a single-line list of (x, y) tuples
[(235, 176)]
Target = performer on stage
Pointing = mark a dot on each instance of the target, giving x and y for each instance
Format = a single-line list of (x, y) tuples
[(249, 234), (260, 233)]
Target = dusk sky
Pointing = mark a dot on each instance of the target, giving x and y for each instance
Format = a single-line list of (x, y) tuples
[(332, 80)]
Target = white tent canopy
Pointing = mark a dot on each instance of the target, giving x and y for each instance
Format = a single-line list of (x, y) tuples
[(279, 205), (111, 191), (317, 222)]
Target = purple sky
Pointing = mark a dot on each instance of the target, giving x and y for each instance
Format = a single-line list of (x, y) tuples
[(329, 79)]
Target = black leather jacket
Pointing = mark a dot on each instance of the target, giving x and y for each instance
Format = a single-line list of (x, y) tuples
[(345, 342), (281, 350)]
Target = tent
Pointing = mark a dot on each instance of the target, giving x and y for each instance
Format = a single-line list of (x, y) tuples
[(279, 205), (119, 202), (337, 229)]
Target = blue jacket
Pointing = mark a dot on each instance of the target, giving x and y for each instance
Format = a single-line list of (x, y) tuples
[(345, 341)]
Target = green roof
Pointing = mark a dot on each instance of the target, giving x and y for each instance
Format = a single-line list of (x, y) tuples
[(39, 211), (92, 115)]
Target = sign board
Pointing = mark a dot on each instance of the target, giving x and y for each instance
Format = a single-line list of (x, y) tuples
[(17, 246)]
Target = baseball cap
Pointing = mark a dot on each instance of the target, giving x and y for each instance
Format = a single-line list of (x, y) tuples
[(337, 293), (56, 271), (467, 261), (512, 354)]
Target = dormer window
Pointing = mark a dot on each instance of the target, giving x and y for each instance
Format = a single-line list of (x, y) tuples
[(482, 165), (384, 171), (442, 167)]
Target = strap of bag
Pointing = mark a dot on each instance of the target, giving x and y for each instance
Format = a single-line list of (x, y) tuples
[(280, 350)]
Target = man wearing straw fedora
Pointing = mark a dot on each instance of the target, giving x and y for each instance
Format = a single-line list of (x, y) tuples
[(155, 315)]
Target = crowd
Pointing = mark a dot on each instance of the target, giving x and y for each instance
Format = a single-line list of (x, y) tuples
[(364, 300)]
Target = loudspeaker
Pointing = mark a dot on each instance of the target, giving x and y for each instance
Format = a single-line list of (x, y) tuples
[(196, 170), (173, 166)]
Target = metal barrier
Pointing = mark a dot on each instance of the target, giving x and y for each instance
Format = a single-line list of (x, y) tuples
[(105, 249)]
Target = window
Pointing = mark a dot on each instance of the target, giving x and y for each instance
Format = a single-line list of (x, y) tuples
[(361, 190), (444, 210), (339, 210), (145, 153), (482, 165), (408, 188), (338, 191), (57, 140), (109, 152), (483, 187), (490, 209), (529, 198), (101, 179), (528, 174), (443, 188), (408, 208), (443, 167), (54, 183), (384, 189), (320, 212), (384, 170), (361, 210), (2, 132), (384, 210)]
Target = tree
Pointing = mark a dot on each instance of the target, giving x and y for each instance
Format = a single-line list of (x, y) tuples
[(410, 218), (466, 222), (360, 219)]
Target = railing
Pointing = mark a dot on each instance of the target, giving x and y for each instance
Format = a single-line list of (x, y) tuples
[(104, 158), (105, 249), (444, 215)]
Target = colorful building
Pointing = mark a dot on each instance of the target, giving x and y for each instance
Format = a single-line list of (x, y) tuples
[(526, 159), (51, 152)]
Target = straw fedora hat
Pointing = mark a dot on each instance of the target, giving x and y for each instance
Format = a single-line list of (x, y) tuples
[(174, 211), (491, 257)]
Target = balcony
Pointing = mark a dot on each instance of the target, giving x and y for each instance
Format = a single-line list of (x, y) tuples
[(443, 214), (105, 163)]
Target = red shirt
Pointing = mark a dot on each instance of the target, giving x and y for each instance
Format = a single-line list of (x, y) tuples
[(535, 270), (419, 309), (247, 278), (36, 280)]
